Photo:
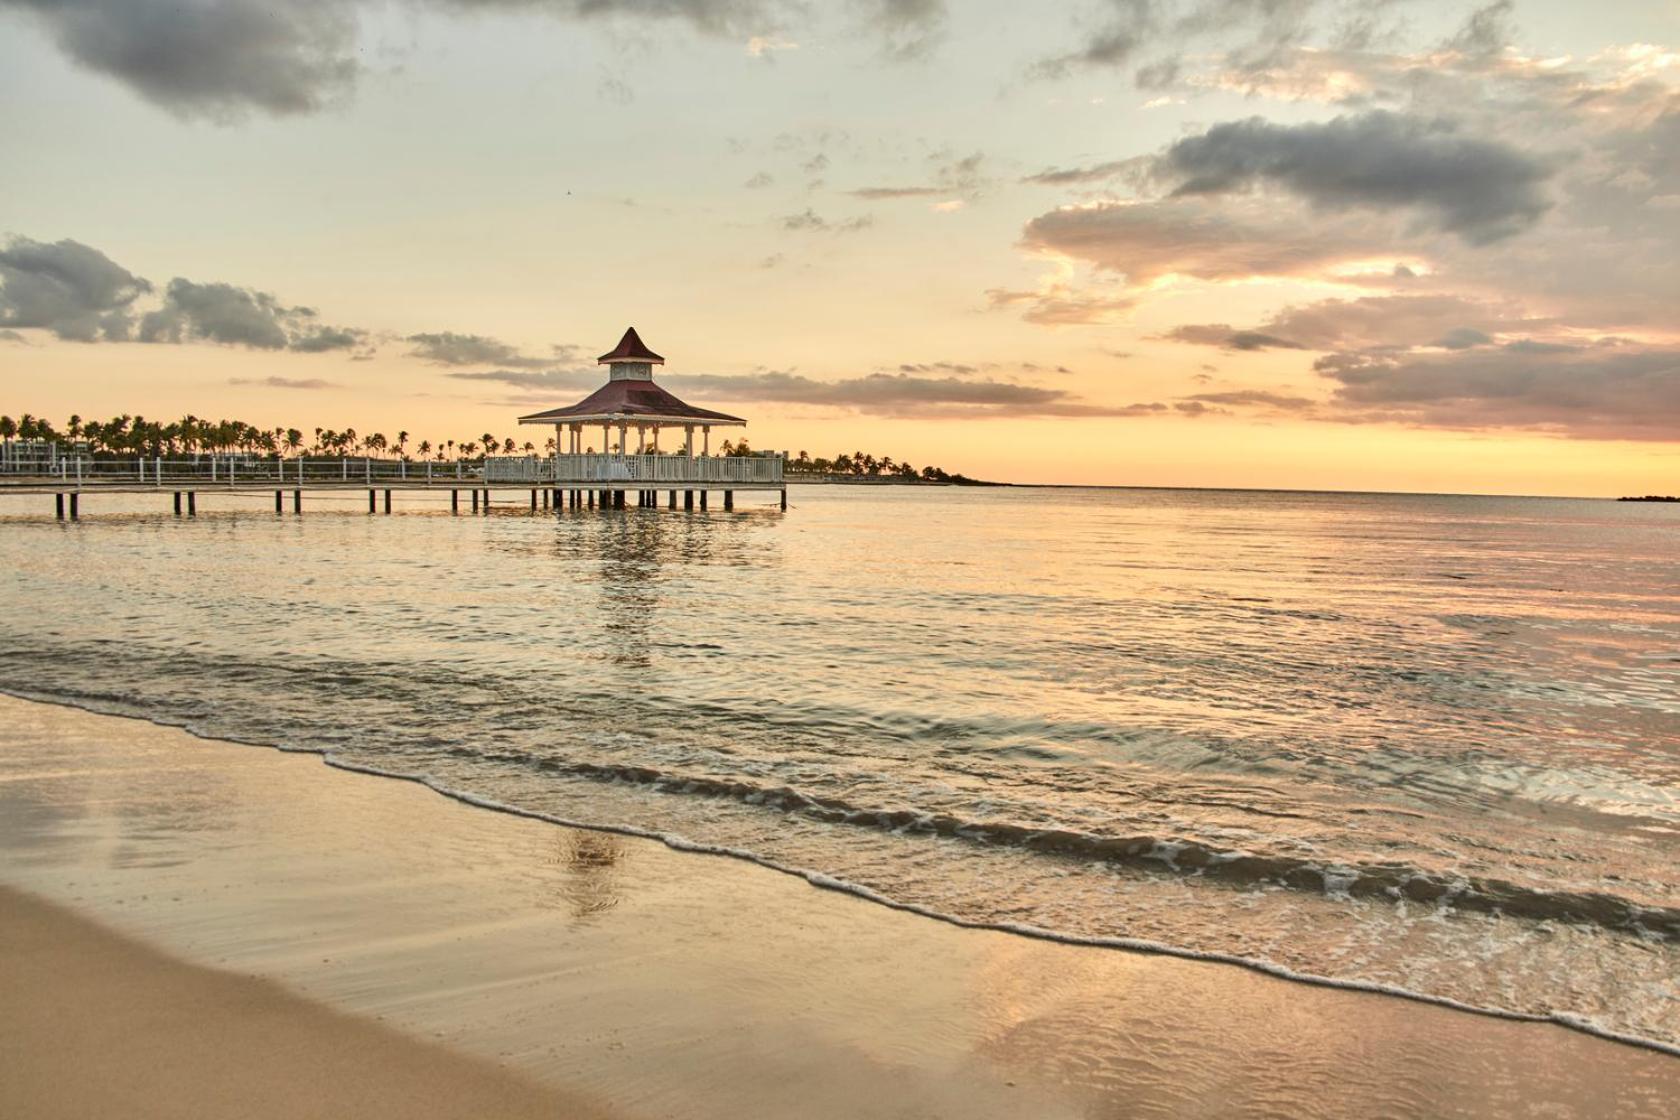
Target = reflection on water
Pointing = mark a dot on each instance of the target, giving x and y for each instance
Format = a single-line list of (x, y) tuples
[(1420, 741)]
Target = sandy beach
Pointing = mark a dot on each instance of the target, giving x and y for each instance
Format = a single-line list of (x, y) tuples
[(237, 923)]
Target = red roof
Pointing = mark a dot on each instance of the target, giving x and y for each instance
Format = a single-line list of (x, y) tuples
[(631, 399), (630, 349)]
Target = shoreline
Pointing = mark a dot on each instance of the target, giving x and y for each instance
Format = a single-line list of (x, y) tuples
[(500, 931), (824, 882)]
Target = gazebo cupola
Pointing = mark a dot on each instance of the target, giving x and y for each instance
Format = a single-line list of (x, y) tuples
[(630, 360)]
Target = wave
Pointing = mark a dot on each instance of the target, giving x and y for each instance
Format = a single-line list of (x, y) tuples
[(1169, 854)]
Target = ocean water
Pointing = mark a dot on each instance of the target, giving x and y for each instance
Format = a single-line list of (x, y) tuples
[(1426, 744)]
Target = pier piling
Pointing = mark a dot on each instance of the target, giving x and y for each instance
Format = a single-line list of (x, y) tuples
[(387, 501), (74, 498), (297, 501), (371, 501), (728, 500), (688, 499), (475, 499), (279, 501), (59, 501), (702, 499), (192, 503), (454, 501), (177, 503)]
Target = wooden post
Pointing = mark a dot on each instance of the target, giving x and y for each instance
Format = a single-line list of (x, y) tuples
[(618, 499), (279, 502), (192, 503), (590, 494), (702, 499), (688, 499), (177, 503), (533, 501), (74, 498), (297, 501), (487, 499), (784, 499), (387, 501), (672, 503), (454, 501), (58, 501), (728, 500), (371, 501), (475, 499)]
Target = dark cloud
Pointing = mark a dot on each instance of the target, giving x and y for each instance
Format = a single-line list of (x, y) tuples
[(1487, 31), (213, 60), (759, 181), (13, 336), (235, 316), (552, 380), (1480, 189), (224, 59), (68, 288), (284, 382), (1611, 390), (447, 348)]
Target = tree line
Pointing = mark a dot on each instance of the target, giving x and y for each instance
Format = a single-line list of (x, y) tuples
[(127, 435), (136, 436)]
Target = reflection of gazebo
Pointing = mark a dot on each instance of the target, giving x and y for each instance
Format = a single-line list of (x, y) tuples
[(631, 400)]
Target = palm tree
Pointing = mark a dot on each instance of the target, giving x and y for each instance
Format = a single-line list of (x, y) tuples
[(402, 445), (294, 440), (425, 447), (468, 448)]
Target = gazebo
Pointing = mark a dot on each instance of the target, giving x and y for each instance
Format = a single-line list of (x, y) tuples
[(631, 401)]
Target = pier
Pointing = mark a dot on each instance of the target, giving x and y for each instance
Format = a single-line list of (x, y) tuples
[(549, 483), (574, 476)]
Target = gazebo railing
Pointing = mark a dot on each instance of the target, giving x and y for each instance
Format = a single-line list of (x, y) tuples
[(655, 470)]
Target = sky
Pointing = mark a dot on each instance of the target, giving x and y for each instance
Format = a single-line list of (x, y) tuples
[(1368, 245)]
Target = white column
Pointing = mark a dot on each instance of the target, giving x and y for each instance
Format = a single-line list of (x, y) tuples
[(623, 437), (688, 440), (705, 439), (606, 437), (641, 439)]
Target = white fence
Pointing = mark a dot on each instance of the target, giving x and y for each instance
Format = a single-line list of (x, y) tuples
[(654, 470), (233, 470)]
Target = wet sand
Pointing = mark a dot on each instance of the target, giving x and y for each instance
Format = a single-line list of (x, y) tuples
[(100, 1025), (513, 956)]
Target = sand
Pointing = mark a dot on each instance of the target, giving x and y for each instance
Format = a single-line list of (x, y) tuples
[(512, 956), (100, 1025)]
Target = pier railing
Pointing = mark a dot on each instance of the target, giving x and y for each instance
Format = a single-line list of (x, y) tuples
[(655, 470), (235, 470)]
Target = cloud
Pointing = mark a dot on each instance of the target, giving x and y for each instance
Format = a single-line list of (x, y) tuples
[(950, 176), (1062, 177), (1255, 398), (234, 316), (1480, 189), (901, 394), (1145, 241), (1611, 390), (214, 60), (13, 336), (225, 59), (1223, 334), (1061, 305), (759, 181), (68, 288), (447, 348), (284, 382), (809, 220)]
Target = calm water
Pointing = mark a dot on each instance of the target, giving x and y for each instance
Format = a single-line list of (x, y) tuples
[(1425, 742)]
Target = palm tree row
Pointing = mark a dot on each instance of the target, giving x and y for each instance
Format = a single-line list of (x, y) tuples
[(127, 435), (859, 464)]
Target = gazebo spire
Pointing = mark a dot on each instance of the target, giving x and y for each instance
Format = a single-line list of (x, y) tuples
[(630, 348)]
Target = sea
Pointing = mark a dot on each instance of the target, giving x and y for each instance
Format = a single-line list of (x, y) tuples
[(1421, 744)]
